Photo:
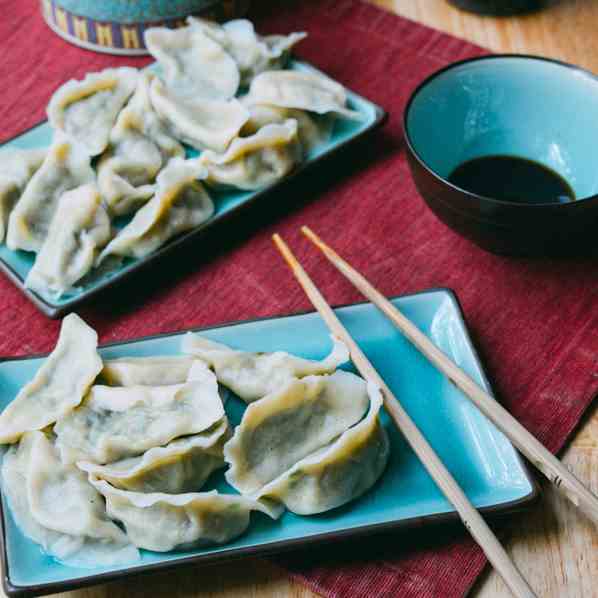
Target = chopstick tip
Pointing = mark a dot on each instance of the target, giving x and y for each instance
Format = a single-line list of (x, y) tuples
[(308, 232), (314, 238), (284, 250)]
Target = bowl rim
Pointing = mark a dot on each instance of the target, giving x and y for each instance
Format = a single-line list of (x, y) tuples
[(485, 198)]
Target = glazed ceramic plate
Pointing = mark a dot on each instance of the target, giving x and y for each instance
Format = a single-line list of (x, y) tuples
[(16, 264), (479, 456)]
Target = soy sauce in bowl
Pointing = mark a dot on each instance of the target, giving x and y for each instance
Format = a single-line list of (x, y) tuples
[(514, 179)]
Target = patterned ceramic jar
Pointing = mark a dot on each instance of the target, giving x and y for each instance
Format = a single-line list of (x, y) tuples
[(117, 26)]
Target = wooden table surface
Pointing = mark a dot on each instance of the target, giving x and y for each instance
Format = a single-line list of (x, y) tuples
[(556, 549)]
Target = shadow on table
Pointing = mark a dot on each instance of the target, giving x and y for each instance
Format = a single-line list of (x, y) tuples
[(129, 294)]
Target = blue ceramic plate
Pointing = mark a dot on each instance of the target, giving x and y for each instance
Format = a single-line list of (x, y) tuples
[(478, 455), (16, 264)]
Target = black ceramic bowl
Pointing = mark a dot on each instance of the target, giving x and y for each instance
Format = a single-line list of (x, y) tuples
[(524, 106)]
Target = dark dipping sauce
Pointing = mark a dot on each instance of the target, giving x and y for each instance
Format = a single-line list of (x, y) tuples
[(508, 178)]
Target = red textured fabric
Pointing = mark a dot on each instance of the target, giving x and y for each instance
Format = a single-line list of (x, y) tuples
[(534, 321)]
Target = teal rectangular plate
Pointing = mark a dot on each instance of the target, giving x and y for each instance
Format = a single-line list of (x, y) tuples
[(16, 264), (482, 460)]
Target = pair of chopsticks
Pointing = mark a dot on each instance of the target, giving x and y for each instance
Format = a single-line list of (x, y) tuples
[(527, 444)]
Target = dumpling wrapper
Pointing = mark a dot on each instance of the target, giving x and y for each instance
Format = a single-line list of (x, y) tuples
[(114, 423), (80, 227), (64, 168), (252, 53), (338, 472), (163, 522), (180, 204), (193, 65), (58, 386), (183, 465), (252, 376), (17, 166), (55, 506), (85, 111), (202, 123), (303, 90), (140, 146), (287, 425), (147, 371), (256, 161), (313, 129)]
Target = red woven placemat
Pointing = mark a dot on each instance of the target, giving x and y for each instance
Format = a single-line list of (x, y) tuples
[(533, 321)]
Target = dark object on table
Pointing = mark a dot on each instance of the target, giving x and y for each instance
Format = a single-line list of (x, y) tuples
[(508, 105), (499, 8)]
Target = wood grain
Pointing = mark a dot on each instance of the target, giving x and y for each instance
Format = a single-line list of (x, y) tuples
[(563, 29), (554, 547)]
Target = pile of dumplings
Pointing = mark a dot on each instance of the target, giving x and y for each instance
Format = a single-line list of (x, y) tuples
[(107, 457), (122, 137)]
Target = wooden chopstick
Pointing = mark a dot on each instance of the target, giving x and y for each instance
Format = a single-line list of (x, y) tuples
[(527, 444), (472, 520)]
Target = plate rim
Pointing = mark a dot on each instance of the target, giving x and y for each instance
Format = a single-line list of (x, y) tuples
[(497, 510), (54, 311)]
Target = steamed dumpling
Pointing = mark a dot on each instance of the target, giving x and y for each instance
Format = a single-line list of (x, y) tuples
[(147, 371), (55, 506), (193, 65), (58, 386), (256, 161), (287, 425), (65, 167), (252, 376), (313, 129), (78, 230), (17, 166), (115, 422), (183, 465), (86, 110), (140, 146), (202, 123), (180, 204), (163, 522), (338, 472), (303, 90), (252, 53)]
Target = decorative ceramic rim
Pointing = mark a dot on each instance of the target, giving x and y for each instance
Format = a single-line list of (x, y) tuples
[(455, 65), (121, 38), (499, 510)]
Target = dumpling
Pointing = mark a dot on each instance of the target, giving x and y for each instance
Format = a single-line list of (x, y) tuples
[(252, 53), (80, 227), (338, 472), (163, 522), (183, 465), (252, 376), (63, 169), (256, 161), (17, 166), (180, 204), (86, 110), (202, 123), (192, 64), (58, 386), (290, 424), (147, 371), (116, 422), (313, 129), (303, 90), (140, 146), (54, 505)]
